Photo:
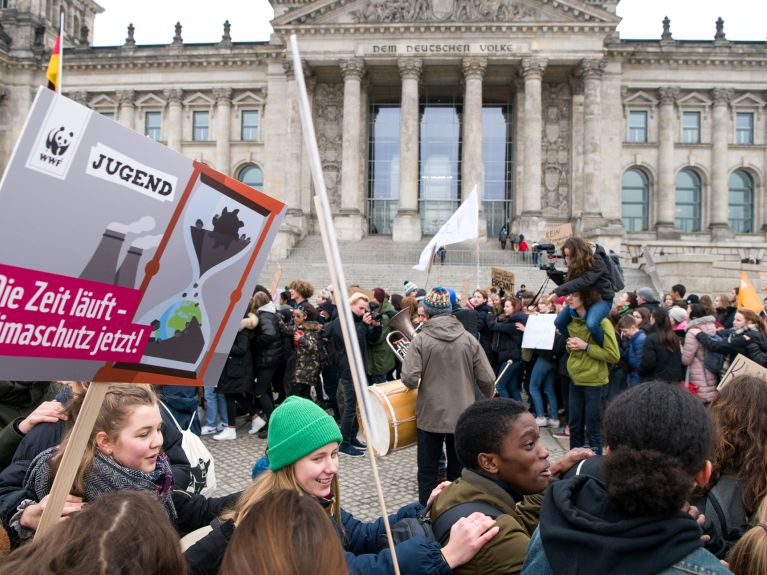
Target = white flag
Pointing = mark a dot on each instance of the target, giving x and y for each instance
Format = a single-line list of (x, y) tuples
[(463, 225)]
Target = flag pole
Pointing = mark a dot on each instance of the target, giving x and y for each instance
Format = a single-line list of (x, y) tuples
[(61, 53)]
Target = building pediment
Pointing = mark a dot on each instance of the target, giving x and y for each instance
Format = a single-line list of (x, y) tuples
[(325, 13)]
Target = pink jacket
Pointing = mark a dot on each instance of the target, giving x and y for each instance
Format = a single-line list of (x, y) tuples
[(693, 354)]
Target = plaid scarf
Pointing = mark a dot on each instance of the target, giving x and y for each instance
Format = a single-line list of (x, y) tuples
[(105, 475)]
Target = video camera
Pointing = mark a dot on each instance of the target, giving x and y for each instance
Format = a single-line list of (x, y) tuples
[(548, 264)]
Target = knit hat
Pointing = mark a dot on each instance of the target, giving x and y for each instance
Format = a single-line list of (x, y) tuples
[(410, 287), (296, 428), (646, 294), (678, 314), (453, 296), (692, 298), (379, 294), (437, 301)]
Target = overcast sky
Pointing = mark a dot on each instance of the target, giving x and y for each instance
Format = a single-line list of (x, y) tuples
[(203, 20)]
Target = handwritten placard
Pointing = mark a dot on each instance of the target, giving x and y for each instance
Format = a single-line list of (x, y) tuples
[(742, 366), (558, 234), (502, 279)]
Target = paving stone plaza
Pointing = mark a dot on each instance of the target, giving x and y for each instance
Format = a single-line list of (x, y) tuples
[(234, 460)]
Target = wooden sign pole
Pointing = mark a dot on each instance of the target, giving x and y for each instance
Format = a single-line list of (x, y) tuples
[(73, 456)]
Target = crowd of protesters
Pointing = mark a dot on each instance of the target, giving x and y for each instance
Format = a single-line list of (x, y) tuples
[(666, 473)]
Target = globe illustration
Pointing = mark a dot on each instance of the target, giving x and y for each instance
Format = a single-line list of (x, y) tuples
[(176, 318)]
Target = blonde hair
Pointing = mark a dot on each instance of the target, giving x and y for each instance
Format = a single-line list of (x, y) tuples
[(119, 403), (749, 555), (284, 478), (357, 296)]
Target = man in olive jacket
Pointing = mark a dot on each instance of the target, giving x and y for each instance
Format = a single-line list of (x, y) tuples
[(445, 363), (507, 468)]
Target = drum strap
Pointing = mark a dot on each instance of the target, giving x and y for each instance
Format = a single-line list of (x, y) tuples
[(444, 522)]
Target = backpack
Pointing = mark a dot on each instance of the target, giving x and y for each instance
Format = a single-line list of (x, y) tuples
[(421, 525), (713, 361), (203, 470), (614, 270)]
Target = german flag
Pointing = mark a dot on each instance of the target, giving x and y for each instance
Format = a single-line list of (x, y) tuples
[(54, 67)]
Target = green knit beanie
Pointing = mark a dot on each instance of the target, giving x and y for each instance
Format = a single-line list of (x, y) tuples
[(296, 428)]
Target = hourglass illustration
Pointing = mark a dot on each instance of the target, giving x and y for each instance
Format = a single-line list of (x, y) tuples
[(196, 276)]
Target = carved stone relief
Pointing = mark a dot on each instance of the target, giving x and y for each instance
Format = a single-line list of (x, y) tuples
[(328, 110), (392, 11), (557, 131)]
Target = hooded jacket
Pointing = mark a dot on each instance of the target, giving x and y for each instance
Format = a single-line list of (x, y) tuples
[(694, 354), (583, 531), (590, 367), (307, 358), (448, 362), (267, 341), (507, 339)]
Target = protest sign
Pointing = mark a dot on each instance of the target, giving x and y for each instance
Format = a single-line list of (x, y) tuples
[(741, 365), (558, 235), (502, 279), (539, 331), (120, 259)]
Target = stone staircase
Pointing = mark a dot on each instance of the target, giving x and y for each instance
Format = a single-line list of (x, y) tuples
[(376, 261)]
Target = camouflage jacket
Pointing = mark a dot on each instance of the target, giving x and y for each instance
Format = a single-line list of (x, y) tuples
[(307, 353)]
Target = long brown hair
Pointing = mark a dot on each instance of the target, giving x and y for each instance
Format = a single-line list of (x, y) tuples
[(120, 532), (581, 259), (287, 533), (751, 317), (119, 403), (740, 417), (666, 335)]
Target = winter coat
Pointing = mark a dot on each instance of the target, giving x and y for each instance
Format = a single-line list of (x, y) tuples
[(581, 531), (660, 363), (590, 367), (307, 347), (632, 354), (449, 363), (725, 315), (507, 339), (380, 356), (693, 356), (598, 276), (267, 344), (20, 398), (468, 319), (416, 556), (483, 312), (745, 341), (237, 375), (366, 334), (504, 553), (726, 518)]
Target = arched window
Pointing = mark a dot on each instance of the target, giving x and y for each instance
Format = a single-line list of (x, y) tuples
[(741, 202), (252, 175), (635, 200), (688, 189)]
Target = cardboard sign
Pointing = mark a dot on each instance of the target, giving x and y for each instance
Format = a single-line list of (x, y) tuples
[(502, 279), (558, 235), (116, 249), (539, 331), (742, 366)]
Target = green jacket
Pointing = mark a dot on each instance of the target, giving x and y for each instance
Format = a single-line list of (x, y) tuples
[(504, 553), (380, 355), (590, 367)]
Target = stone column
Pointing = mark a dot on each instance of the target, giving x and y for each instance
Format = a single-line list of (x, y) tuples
[(348, 222), (472, 172), (295, 213), (664, 225), (718, 215), (127, 108), (591, 73), (407, 223), (532, 73), (174, 129), (223, 133)]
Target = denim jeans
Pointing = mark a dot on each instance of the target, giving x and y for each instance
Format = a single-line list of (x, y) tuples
[(349, 425), (216, 403), (544, 374), (595, 314), (428, 454), (509, 385), (585, 412)]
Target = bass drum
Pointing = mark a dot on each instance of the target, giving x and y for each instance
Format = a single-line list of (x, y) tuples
[(393, 410)]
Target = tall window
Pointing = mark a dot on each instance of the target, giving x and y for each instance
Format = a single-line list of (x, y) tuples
[(638, 127), (200, 123), (741, 202), (688, 192), (635, 200), (250, 125), (152, 125), (383, 187), (691, 127), (498, 165), (744, 128), (252, 176), (5, 3)]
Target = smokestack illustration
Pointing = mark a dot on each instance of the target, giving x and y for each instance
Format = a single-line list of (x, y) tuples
[(103, 262), (126, 275)]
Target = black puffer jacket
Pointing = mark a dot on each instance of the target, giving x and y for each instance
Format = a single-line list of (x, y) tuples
[(507, 339), (237, 375), (660, 363), (598, 276), (267, 341), (485, 333)]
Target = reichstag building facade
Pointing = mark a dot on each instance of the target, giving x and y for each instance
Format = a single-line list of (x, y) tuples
[(538, 104)]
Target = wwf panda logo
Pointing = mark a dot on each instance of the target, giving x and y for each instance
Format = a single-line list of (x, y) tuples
[(59, 140)]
